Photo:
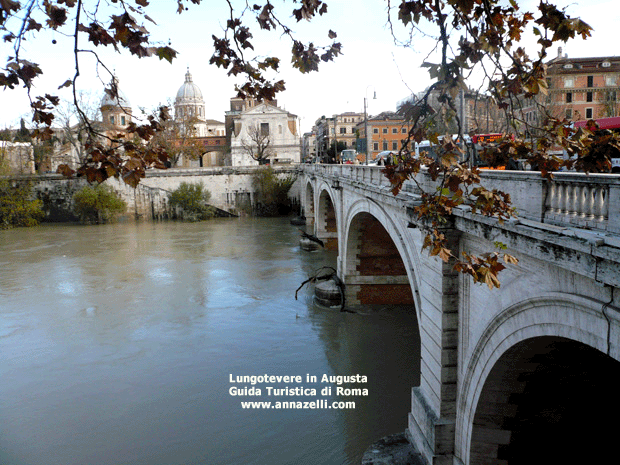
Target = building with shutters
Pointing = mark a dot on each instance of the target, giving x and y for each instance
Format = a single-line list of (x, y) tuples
[(583, 88)]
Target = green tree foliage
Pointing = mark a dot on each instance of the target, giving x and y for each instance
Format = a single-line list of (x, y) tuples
[(5, 134), (271, 192), (17, 207), (193, 200), (99, 204), (42, 151), (23, 134)]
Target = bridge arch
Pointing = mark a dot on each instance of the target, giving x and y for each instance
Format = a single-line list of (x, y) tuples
[(327, 219), (511, 396), (371, 234), (379, 263)]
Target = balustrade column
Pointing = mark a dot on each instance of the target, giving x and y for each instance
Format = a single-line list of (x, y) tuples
[(373, 177), (613, 214), (553, 201), (602, 208), (580, 192), (563, 199), (588, 207), (571, 203)]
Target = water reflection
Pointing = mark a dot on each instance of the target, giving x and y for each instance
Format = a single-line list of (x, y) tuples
[(117, 343)]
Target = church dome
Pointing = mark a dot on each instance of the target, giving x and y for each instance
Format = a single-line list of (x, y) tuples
[(115, 101), (189, 91), (189, 103)]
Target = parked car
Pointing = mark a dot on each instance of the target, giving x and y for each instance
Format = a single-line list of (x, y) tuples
[(381, 158)]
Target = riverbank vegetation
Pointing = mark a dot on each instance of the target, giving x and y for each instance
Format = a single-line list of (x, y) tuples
[(271, 192), (99, 204), (193, 202), (17, 207)]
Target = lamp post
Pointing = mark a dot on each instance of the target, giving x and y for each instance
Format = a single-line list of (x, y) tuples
[(336, 139), (366, 120)]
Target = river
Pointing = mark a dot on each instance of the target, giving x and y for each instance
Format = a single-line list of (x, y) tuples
[(118, 342)]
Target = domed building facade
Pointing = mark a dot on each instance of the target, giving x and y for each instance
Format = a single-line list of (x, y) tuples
[(208, 141), (192, 125), (116, 112), (116, 115), (189, 111), (189, 103)]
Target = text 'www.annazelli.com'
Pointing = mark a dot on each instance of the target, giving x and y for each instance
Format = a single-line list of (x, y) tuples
[(318, 404), (317, 390)]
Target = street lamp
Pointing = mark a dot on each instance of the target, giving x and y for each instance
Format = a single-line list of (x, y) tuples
[(366, 120), (335, 138)]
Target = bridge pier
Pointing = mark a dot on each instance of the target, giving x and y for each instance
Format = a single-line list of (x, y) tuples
[(326, 224), (374, 272), (432, 421), (307, 205)]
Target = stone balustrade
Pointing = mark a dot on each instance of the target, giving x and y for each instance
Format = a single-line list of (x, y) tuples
[(583, 202), (578, 200), (371, 175)]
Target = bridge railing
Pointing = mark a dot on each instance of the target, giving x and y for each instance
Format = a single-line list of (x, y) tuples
[(588, 201), (581, 202), (371, 175)]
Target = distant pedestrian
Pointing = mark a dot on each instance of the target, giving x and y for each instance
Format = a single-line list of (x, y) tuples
[(512, 164)]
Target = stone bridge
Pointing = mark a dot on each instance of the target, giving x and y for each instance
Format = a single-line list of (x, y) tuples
[(523, 374)]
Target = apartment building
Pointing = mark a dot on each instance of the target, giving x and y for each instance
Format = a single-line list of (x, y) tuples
[(386, 130), (583, 88), (346, 124), (479, 113), (339, 129), (308, 147)]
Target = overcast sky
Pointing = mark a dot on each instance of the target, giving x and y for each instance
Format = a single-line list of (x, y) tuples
[(370, 63)]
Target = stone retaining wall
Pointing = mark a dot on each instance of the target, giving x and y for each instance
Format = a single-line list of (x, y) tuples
[(230, 187), (57, 192), (231, 191)]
